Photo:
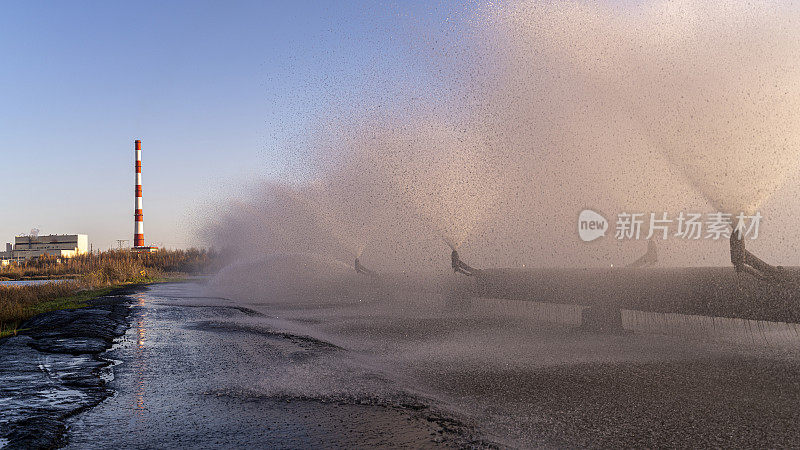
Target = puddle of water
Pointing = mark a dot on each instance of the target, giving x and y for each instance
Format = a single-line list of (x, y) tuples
[(106, 373), (60, 396)]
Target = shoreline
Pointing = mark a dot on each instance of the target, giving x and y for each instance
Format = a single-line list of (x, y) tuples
[(53, 368)]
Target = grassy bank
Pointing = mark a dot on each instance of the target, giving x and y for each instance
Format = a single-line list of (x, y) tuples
[(92, 276), (111, 264)]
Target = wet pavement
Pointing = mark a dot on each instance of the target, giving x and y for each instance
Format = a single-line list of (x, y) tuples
[(422, 369), (55, 369), (501, 372), (202, 372)]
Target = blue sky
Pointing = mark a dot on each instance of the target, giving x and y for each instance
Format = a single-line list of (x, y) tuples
[(217, 91)]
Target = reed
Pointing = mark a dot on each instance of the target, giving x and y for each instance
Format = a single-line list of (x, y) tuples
[(90, 276)]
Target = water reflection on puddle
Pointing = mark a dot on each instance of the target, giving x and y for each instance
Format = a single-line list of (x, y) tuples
[(140, 359)]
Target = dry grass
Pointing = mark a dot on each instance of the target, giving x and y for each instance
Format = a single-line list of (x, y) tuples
[(93, 275), (115, 265), (18, 303)]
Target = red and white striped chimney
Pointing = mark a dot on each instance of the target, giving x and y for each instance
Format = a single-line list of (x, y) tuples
[(138, 230)]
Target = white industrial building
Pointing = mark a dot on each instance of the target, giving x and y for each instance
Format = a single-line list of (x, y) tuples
[(58, 245)]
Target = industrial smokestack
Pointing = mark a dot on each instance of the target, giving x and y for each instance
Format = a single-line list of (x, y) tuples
[(138, 230)]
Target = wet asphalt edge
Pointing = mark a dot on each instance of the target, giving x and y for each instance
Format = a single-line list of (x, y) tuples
[(86, 331)]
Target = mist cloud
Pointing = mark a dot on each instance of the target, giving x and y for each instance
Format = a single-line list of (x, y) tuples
[(555, 107)]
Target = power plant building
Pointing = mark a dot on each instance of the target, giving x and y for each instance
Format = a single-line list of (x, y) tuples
[(58, 245)]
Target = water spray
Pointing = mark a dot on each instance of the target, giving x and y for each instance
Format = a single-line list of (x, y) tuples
[(363, 270), (455, 261), (744, 261), (649, 259), (453, 246), (460, 266)]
